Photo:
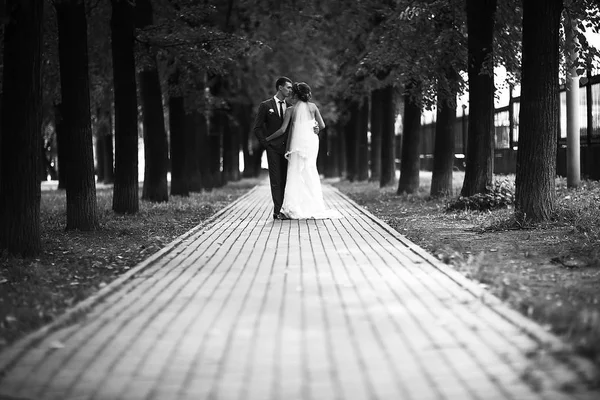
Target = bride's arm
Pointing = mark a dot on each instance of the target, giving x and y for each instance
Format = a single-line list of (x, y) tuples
[(286, 121)]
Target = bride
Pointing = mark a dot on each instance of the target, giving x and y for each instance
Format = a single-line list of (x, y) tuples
[(303, 197)]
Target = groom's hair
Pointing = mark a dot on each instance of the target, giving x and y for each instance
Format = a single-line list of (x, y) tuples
[(281, 81)]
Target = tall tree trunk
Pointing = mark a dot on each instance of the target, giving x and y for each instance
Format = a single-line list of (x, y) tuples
[(250, 146), (231, 148), (411, 138), (332, 162), (480, 148), (362, 141), (105, 130), (62, 151), (156, 158), (21, 124), (179, 177), (323, 150), (388, 137), (350, 140), (573, 134), (100, 144), (535, 195), (214, 146), (126, 196), (376, 133), (195, 128), (75, 93), (443, 153)]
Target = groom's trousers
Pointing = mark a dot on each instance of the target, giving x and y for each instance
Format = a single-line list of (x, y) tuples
[(277, 176)]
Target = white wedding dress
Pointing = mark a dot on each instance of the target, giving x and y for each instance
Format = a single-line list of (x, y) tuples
[(303, 196)]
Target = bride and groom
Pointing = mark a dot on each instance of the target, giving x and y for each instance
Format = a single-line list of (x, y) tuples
[(289, 130)]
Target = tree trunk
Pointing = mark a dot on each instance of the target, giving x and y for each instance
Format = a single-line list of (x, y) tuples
[(61, 145), (211, 173), (572, 85), (362, 141), (443, 153), (411, 138), (480, 148), (388, 137), (350, 141), (105, 130), (376, 133), (100, 157), (195, 142), (251, 148), (156, 158), (126, 196), (323, 150), (75, 93), (535, 195), (156, 161), (231, 149), (21, 124), (179, 177), (331, 159)]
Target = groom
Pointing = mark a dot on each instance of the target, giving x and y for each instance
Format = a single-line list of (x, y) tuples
[(268, 120)]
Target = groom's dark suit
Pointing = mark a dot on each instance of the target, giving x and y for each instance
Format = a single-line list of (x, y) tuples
[(268, 121)]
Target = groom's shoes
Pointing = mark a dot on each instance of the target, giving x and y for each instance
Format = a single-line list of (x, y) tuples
[(280, 216)]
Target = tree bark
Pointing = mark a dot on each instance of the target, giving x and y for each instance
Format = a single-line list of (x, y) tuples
[(62, 151), (388, 137), (362, 141), (376, 133), (212, 176), (106, 132), (126, 196), (195, 127), (179, 177), (250, 146), (323, 150), (572, 85), (21, 128), (535, 196), (156, 158), (75, 93), (411, 138), (480, 148), (350, 141), (231, 149), (443, 153), (100, 157)]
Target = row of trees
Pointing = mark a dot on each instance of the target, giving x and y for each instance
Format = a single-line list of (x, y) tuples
[(92, 67)]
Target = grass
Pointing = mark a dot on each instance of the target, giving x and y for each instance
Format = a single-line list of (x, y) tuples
[(550, 272), (76, 264)]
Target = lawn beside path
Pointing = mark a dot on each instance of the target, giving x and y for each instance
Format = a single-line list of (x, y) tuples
[(74, 265), (549, 272)]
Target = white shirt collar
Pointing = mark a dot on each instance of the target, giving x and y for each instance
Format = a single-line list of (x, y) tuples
[(284, 105)]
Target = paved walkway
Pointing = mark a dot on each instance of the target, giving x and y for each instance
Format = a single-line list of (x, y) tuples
[(248, 308)]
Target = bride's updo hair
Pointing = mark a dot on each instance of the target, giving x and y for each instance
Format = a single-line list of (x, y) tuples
[(302, 91)]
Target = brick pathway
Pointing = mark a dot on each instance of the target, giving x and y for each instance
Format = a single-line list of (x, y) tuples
[(247, 308)]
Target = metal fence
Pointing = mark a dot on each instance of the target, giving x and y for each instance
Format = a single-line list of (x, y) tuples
[(506, 122)]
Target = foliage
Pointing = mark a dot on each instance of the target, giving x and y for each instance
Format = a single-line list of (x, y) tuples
[(585, 16), (500, 195)]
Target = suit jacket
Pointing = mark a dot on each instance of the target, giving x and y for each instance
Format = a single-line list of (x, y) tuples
[(268, 121)]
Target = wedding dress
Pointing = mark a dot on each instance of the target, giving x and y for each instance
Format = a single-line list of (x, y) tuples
[(303, 196)]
